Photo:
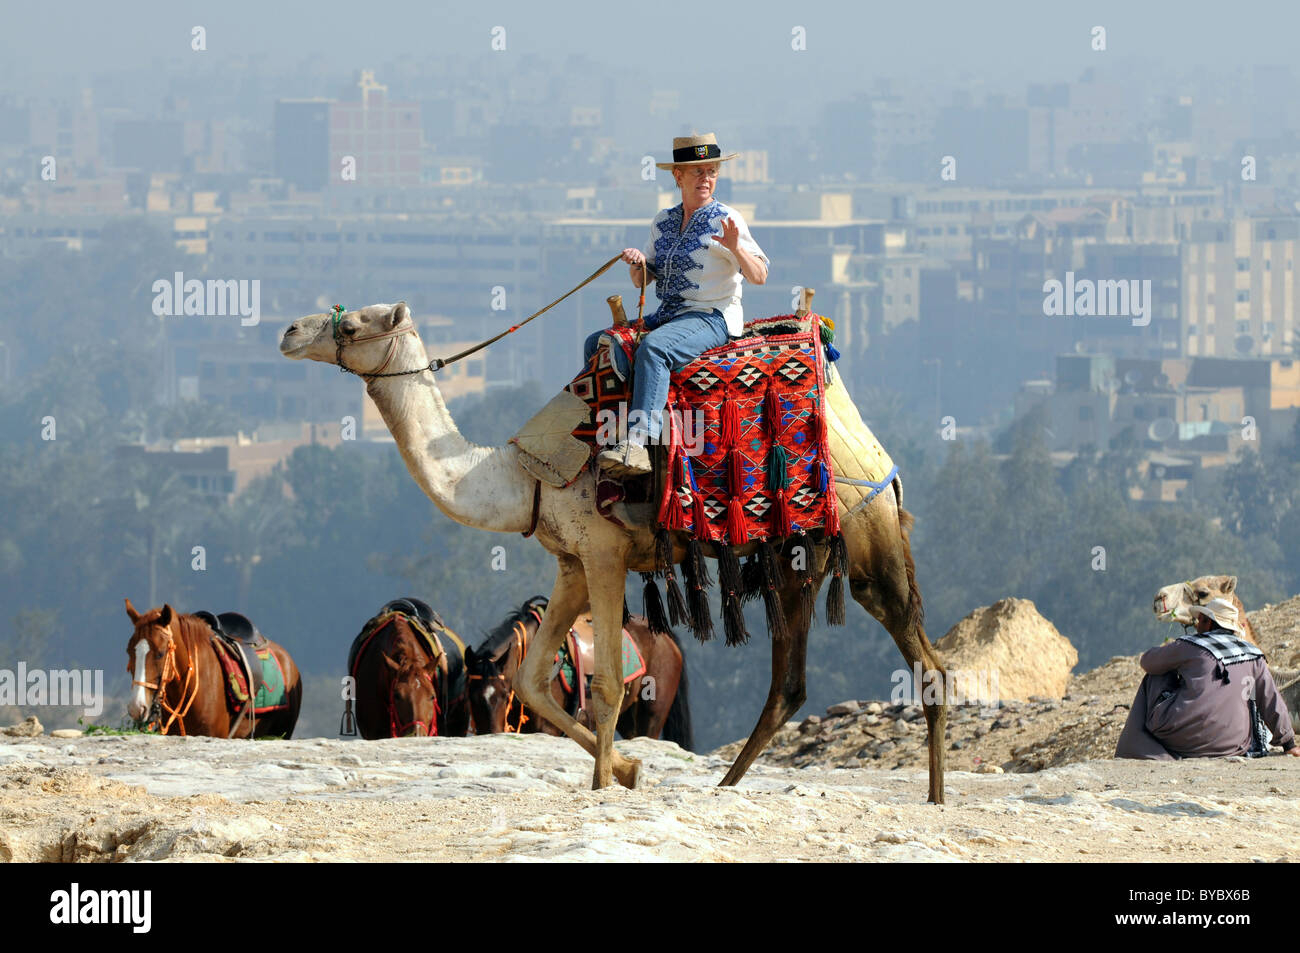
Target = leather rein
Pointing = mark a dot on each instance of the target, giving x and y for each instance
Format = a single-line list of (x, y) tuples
[(341, 340)]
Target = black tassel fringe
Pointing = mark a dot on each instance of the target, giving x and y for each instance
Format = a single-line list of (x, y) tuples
[(653, 605), (695, 576), (751, 579), (772, 579), (839, 567), (677, 610), (733, 618)]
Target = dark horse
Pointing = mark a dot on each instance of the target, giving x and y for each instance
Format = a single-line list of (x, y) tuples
[(406, 683), (178, 680), (496, 708)]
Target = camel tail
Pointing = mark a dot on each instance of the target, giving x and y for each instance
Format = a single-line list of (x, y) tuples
[(677, 726)]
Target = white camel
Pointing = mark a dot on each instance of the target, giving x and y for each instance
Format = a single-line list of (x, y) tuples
[(486, 488)]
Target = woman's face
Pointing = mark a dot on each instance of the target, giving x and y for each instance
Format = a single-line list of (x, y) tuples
[(697, 182)]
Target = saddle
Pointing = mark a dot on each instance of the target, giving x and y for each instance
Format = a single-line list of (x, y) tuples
[(234, 627), (580, 649), (244, 653), (416, 609)]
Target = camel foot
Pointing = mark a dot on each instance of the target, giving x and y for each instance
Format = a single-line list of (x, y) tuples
[(732, 778), (628, 772)]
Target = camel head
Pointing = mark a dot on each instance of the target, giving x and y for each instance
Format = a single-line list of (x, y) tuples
[(370, 337), (1174, 603)]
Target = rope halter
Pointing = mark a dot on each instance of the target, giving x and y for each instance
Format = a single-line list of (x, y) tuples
[(406, 326)]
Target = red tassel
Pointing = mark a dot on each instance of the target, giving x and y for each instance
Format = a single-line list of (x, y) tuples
[(666, 503), (832, 511), (730, 422), (737, 528), (772, 412), (735, 473), (783, 527), (702, 529), (675, 518)]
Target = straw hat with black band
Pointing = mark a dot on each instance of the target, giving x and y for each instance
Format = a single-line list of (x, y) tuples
[(696, 150)]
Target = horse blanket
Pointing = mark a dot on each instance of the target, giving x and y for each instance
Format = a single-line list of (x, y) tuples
[(268, 691)]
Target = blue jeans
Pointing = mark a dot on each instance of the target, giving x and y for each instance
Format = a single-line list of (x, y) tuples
[(667, 348)]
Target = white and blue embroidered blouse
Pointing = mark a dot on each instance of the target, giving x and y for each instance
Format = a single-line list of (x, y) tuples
[(695, 273)]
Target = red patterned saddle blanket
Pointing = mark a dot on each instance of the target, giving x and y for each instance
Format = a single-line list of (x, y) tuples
[(747, 462)]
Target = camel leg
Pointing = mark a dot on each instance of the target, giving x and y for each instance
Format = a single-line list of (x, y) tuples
[(882, 579), (787, 690), (605, 584), (533, 679)]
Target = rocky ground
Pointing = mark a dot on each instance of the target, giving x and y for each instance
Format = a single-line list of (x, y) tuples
[(504, 797), (1028, 781), (1015, 736)]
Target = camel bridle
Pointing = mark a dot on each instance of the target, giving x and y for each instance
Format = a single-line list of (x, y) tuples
[(405, 326), (168, 674)]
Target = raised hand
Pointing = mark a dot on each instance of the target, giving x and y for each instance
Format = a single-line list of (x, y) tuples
[(730, 237)]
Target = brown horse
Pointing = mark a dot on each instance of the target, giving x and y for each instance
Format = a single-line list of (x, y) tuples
[(403, 688), (178, 681), (654, 703)]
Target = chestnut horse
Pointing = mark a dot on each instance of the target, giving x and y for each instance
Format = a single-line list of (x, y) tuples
[(496, 708), (178, 680), (402, 689)]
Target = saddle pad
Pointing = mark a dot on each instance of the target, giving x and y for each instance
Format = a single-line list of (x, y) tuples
[(760, 468), (269, 691), (633, 664)]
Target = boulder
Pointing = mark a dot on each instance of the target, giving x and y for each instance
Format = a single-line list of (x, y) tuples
[(1008, 650), (29, 727)]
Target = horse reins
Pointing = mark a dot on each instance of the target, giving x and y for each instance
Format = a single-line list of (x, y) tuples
[(336, 316), (169, 673)]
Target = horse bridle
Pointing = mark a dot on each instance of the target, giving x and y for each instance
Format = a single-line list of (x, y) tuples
[(407, 326), (521, 642), (396, 728), (168, 673)]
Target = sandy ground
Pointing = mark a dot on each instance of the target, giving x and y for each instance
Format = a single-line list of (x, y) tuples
[(526, 798)]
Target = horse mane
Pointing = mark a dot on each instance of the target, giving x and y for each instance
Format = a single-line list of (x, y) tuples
[(495, 640)]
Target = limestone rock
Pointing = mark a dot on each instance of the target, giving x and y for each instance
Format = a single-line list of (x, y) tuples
[(1008, 649), (30, 727)]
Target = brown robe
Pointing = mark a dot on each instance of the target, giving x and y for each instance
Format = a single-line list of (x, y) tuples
[(1186, 709)]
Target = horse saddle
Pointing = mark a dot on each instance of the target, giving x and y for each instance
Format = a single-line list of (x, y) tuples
[(239, 638), (417, 609), (234, 627)]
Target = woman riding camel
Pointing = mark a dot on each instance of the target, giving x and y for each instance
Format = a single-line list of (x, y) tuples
[(698, 253)]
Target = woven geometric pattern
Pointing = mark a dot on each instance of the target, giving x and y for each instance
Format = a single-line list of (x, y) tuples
[(601, 387), (761, 470)]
